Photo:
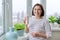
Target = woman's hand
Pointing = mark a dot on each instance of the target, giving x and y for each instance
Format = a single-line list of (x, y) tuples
[(38, 34), (35, 34), (24, 20)]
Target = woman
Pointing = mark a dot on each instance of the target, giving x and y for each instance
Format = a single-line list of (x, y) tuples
[(38, 27)]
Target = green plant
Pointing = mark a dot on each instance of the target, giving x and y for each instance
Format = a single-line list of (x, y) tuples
[(58, 20), (19, 26), (52, 19)]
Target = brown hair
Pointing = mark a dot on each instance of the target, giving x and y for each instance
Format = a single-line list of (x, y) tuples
[(42, 14)]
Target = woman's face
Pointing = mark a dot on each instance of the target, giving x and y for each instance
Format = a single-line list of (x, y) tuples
[(37, 11)]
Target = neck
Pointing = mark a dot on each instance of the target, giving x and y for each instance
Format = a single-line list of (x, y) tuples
[(38, 17)]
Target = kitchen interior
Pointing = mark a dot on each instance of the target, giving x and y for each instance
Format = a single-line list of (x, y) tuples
[(14, 11)]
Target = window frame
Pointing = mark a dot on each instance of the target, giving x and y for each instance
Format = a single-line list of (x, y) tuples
[(3, 14), (7, 16)]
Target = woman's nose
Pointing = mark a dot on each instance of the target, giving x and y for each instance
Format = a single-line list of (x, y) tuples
[(36, 10)]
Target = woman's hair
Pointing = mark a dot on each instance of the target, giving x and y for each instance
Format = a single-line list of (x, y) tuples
[(42, 14)]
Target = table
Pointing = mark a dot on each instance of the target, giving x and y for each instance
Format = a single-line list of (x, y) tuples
[(24, 37)]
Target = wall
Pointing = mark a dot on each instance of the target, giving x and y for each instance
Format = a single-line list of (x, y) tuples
[(55, 35)]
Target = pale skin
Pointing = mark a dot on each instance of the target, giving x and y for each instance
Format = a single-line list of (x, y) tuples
[(37, 12)]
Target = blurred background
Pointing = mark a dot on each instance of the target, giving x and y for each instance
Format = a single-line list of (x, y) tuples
[(12, 11)]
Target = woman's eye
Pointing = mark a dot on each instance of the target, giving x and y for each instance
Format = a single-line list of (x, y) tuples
[(34, 9), (39, 9)]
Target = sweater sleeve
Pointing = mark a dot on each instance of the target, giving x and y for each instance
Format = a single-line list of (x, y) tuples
[(48, 29)]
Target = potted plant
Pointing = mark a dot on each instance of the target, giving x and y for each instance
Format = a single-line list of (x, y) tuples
[(58, 20), (52, 20), (19, 27)]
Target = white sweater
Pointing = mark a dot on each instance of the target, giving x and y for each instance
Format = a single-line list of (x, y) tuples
[(41, 25)]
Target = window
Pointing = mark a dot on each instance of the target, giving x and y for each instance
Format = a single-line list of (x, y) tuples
[(34, 2), (52, 7), (18, 10), (1, 18)]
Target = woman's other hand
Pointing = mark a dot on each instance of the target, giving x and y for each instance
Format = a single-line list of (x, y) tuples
[(25, 20), (35, 34)]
